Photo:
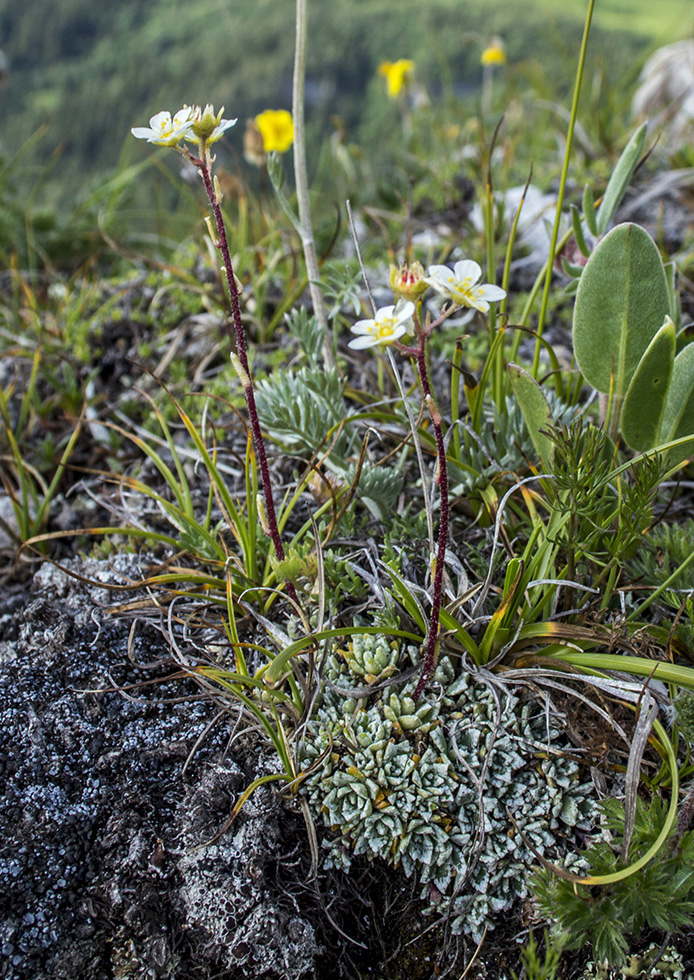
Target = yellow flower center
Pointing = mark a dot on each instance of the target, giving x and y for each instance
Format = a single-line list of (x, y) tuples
[(385, 327)]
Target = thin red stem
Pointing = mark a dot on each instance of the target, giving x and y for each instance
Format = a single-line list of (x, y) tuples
[(240, 341), (442, 480)]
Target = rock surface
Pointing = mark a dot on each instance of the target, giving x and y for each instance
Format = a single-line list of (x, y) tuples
[(104, 872)]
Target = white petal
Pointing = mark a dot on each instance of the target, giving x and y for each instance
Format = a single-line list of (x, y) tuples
[(467, 269), (361, 343), (492, 294), (438, 271), (182, 116), (142, 133), (363, 326), (398, 332), (477, 304), (161, 120), (404, 312)]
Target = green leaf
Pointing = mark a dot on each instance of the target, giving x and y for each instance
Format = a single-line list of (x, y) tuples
[(589, 210), (673, 290), (577, 227), (536, 412), (619, 181), (621, 298), (678, 415), (644, 402)]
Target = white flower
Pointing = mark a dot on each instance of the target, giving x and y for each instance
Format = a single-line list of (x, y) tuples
[(389, 324), (460, 285), (165, 131)]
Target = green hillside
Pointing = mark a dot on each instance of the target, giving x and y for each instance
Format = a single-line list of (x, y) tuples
[(94, 70)]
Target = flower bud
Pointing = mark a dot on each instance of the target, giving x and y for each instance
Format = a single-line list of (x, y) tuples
[(208, 126), (408, 281)]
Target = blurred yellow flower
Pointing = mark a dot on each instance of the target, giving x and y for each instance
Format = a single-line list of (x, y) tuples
[(398, 75), (277, 129), (494, 53)]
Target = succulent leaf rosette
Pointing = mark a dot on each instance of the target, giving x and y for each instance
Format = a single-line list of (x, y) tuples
[(408, 783)]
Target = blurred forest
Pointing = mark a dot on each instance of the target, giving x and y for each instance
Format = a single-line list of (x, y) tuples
[(94, 70), (81, 74)]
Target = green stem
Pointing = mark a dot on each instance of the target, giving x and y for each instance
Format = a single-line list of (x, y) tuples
[(562, 186), (442, 480), (300, 175)]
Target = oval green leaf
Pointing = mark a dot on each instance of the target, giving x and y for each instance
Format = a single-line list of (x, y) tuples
[(678, 414), (644, 402), (536, 412), (622, 299)]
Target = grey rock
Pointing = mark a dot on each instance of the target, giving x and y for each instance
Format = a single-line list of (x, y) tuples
[(105, 866)]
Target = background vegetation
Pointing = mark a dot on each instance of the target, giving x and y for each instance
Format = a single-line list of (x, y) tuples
[(91, 71)]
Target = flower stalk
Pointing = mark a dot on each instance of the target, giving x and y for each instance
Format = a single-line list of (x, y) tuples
[(461, 286), (441, 479), (301, 178), (205, 127), (203, 164)]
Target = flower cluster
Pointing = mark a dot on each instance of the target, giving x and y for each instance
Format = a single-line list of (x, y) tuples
[(189, 123), (460, 285)]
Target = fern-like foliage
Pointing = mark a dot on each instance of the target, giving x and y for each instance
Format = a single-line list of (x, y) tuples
[(503, 445), (660, 896), (307, 332), (379, 488), (304, 411), (664, 549)]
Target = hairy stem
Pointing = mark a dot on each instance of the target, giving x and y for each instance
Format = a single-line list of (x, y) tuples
[(240, 340), (442, 480)]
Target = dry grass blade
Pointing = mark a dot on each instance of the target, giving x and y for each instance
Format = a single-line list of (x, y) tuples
[(647, 713)]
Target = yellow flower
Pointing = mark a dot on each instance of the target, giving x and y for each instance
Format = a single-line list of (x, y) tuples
[(398, 75), (277, 129), (494, 53)]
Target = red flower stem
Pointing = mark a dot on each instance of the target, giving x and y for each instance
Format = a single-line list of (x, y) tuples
[(240, 340), (442, 480)]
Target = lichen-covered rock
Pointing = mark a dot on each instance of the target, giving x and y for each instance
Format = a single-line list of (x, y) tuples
[(458, 789), (104, 868)]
